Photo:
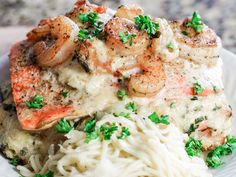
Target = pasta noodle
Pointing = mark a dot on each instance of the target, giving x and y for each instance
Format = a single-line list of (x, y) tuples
[(153, 150)]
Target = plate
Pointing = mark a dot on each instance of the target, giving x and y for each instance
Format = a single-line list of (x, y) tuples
[(229, 79)]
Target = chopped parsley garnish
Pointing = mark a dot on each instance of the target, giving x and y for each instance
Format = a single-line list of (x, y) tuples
[(93, 30), (65, 94), (37, 102), (92, 135), (85, 34), (90, 125), (213, 158), (131, 106), (125, 37), (197, 88), (194, 98), (196, 22), (14, 162), (91, 130), (200, 119), (185, 33), (91, 17), (145, 23), (170, 46), (216, 108), (124, 133), (156, 119), (108, 130), (216, 89), (121, 94), (122, 114), (191, 129), (193, 147), (173, 105), (48, 174), (63, 126)]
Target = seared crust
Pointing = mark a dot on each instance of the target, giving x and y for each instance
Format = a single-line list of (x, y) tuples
[(27, 81)]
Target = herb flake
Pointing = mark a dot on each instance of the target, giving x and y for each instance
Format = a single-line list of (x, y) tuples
[(159, 120), (63, 126), (145, 23), (36, 103), (193, 147)]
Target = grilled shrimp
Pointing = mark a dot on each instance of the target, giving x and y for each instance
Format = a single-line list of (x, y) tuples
[(129, 11), (165, 46), (64, 30), (202, 48), (140, 39), (151, 81)]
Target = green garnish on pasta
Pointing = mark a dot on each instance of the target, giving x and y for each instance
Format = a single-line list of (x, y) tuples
[(124, 133), (108, 130), (63, 126), (48, 174)]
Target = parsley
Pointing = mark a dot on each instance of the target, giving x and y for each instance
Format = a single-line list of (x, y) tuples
[(85, 34), (193, 147), (145, 23), (200, 119), (48, 174), (65, 94), (196, 22), (170, 46), (121, 94), (131, 106), (216, 89), (14, 162), (37, 102), (91, 18), (90, 125), (124, 133), (63, 126), (191, 129), (216, 108), (91, 136), (125, 37), (156, 119), (194, 98), (185, 33), (122, 114), (173, 105), (108, 130), (92, 31), (213, 158), (91, 130), (197, 88)]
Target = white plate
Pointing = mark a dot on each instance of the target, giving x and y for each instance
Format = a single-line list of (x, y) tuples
[(229, 78)]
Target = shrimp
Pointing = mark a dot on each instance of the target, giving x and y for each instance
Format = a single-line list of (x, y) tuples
[(129, 12), (151, 81), (201, 48), (140, 40), (64, 30), (165, 46)]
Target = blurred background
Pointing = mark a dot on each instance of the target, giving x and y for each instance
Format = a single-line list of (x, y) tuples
[(18, 16)]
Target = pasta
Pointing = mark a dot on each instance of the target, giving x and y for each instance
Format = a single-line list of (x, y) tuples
[(151, 150)]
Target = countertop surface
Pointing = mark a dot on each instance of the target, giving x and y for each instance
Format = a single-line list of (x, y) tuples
[(218, 14)]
